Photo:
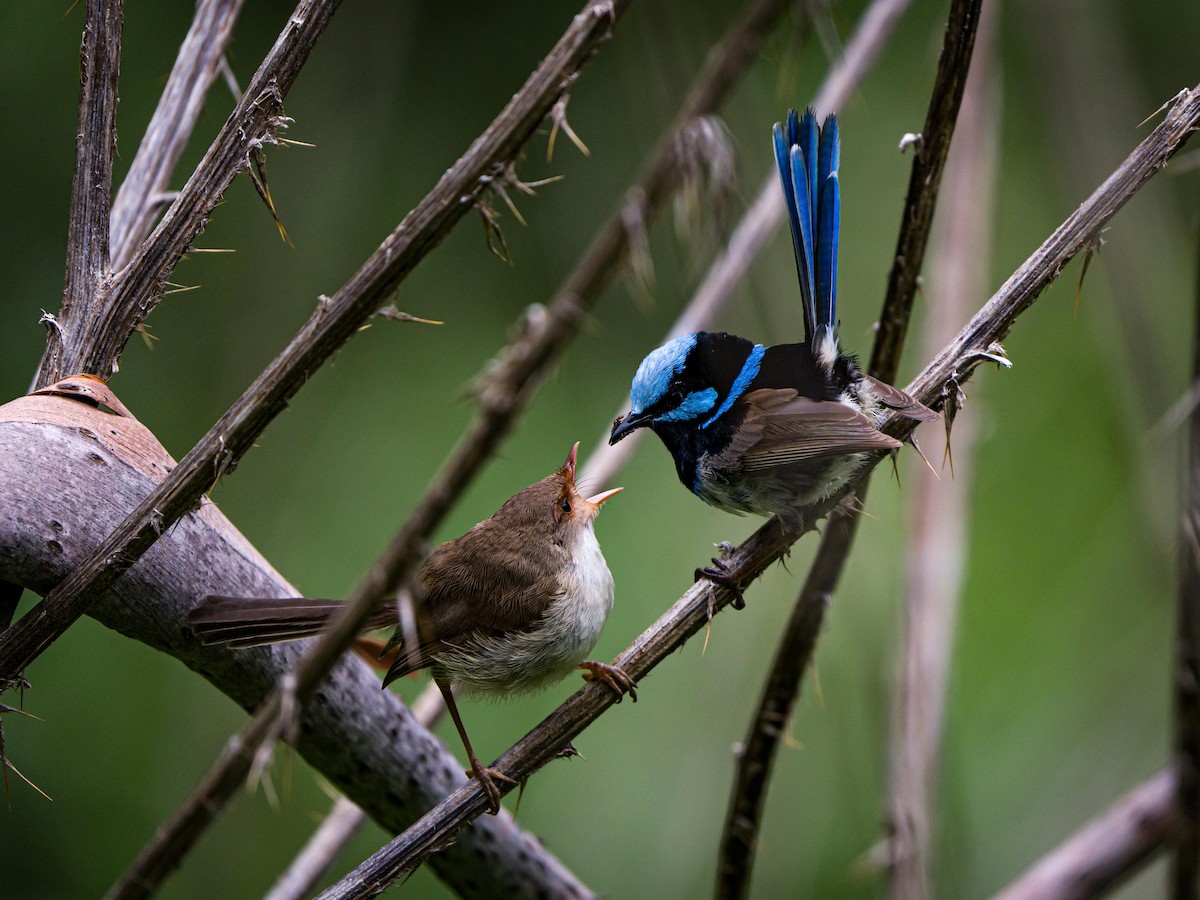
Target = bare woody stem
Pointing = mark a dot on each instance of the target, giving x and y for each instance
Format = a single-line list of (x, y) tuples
[(689, 614), (143, 192), (1107, 850), (929, 160), (96, 141), (794, 652)]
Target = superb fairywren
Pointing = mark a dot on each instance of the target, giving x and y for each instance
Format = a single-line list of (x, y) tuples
[(510, 607), (770, 430)]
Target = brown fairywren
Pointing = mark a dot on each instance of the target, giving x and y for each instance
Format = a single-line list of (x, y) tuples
[(510, 607)]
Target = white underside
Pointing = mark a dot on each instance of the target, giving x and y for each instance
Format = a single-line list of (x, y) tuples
[(499, 667)]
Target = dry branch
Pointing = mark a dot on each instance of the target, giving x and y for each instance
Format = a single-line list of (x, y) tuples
[(929, 160), (97, 336), (939, 511), (142, 193), (1107, 850)]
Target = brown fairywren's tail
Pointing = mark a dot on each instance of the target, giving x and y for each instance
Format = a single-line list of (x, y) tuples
[(254, 621)]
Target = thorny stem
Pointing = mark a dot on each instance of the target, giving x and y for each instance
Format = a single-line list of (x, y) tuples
[(198, 62)]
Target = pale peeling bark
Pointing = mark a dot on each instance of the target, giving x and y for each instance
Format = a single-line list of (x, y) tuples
[(69, 473)]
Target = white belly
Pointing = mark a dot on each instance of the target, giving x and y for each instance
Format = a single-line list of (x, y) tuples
[(559, 642)]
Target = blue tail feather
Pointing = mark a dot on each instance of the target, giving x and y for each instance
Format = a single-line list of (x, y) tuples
[(827, 251), (801, 202), (783, 158), (808, 157)]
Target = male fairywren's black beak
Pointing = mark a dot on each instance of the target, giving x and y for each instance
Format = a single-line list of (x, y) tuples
[(626, 424)]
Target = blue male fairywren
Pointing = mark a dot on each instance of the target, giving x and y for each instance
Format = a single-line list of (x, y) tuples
[(770, 430)]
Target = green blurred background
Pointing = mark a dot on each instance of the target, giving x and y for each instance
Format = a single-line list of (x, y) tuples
[(1060, 694)]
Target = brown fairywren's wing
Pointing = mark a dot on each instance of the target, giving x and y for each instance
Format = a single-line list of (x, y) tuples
[(782, 428), (497, 578)]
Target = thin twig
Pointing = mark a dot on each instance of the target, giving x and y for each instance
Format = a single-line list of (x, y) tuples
[(337, 829), (198, 63), (335, 321), (97, 339), (938, 511), (739, 840), (795, 647), (691, 612), (991, 324), (88, 265), (1107, 850), (343, 821), (1185, 862), (929, 159)]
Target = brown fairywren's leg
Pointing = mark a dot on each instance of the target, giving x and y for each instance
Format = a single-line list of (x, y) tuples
[(614, 677), (478, 771)]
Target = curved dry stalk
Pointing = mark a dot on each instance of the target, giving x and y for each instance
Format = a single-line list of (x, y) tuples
[(691, 613), (199, 61), (929, 161), (938, 513), (94, 338), (782, 686), (1107, 850), (337, 829), (343, 821)]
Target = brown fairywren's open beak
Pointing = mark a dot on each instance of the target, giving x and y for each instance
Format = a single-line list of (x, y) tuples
[(598, 500), (592, 504)]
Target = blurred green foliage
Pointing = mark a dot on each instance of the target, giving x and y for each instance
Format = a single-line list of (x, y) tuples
[(1060, 693)]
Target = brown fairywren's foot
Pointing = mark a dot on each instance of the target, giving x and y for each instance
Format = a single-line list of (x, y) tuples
[(615, 678), (487, 779)]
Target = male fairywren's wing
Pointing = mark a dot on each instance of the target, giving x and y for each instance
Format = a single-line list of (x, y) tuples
[(771, 429)]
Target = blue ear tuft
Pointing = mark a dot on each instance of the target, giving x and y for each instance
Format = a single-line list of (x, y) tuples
[(653, 377)]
